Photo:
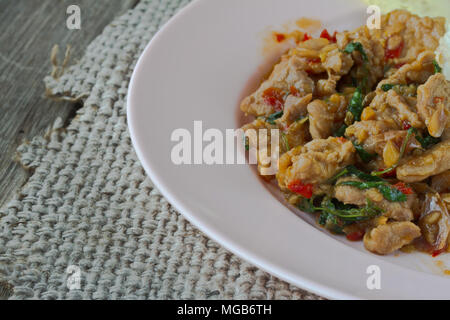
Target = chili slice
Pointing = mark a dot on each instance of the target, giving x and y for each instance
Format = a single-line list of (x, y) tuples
[(403, 188), (327, 36), (355, 236), (394, 53), (438, 100), (305, 190), (406, 125), (294, 91), (280, 37), (274, 97)]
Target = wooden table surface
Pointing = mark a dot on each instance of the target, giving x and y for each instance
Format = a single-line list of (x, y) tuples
[(30, 28)]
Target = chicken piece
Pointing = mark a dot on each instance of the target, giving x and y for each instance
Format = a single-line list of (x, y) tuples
[(432, 162), (315, 162), (387, 238), (388, 145), (406, 112), (297, 134), (372, 70), (390, 105), (270, 97), (321, 120), (417, 71), (433, 104), (441, 182), (407, 35), (295, 108), (336, 61), (326, 87), (326, 116), (400, 211), (362, 130)]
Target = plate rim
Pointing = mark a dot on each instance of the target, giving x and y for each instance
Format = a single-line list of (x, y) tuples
[(312, 286)]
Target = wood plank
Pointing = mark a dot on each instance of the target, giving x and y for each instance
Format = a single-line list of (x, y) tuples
[(29, 30)]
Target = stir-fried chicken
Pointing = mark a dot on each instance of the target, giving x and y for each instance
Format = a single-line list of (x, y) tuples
[(364, 131)]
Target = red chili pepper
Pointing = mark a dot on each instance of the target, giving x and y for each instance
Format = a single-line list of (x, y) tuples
[(438, 100), (274, 97), (406, 125), (280, 37), (306, 37), (390, 174), (342, 139), (335, 36), (314, 60), (403, 188), (355, 236), (294, 91), (394, 53), (435, 253), (326, 35), (305, 190)]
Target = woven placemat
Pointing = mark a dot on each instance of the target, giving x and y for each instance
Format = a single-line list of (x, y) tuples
[(89, 210)]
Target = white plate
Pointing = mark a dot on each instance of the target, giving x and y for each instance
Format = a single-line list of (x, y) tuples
[(196, 68)]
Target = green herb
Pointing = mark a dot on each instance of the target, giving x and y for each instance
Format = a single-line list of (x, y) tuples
[(247, 146), (402, 152), (285, 141), (307, 205), (363, 154), (324, 218), (341, 131), (386, 87), (353, 171), (352, 46), (427, 141), (334, 215), (365, 78), (271, 119), (348, 213), (437, 67), (389, 193), (356, 104)]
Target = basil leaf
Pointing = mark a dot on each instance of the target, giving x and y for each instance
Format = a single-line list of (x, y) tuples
[(352, 46), (341, 131), (348, 213), (437, 67), (352, 170), (392, 194), (307, 205), (427, 141), (246, 143), (356, 104), (363, 154), (271, 119), (386, 87), (389, 193)]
